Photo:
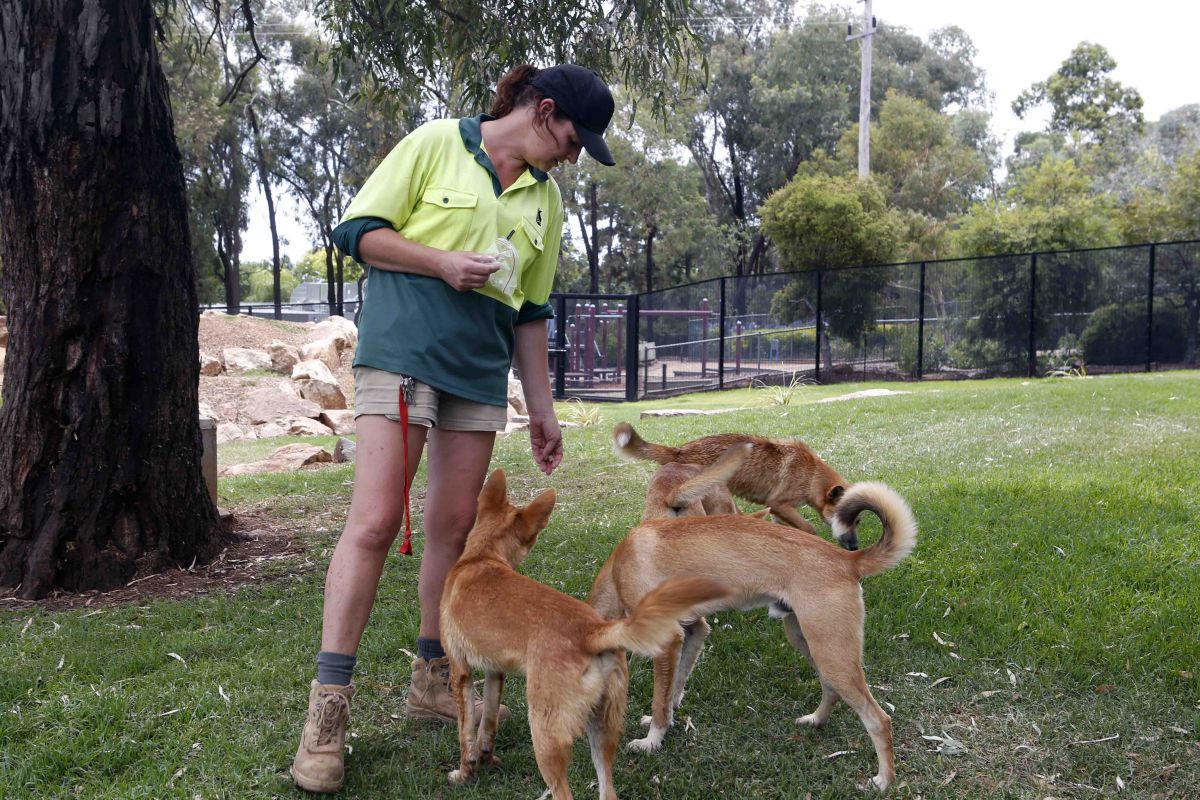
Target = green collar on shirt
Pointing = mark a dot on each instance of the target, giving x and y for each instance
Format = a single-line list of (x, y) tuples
[(472, 136)]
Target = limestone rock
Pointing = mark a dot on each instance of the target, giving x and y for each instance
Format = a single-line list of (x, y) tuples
[(314, 370), (341, 422), (269, 404), (268, 430), (344, 451), (303, 426), (325, 394), (283, 356), (210, 365), (285, 459), (206, 411), (323, 349), (685, 412), (232, 432), (342, 331), (516, 398), (241, 359)]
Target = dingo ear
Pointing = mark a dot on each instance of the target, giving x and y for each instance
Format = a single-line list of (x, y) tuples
[(537, 514), (495, 490), (760, 514), (835, 494)]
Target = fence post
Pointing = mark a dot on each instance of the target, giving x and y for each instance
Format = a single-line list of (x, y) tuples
[(817, 338), (560, 346), (921, 325), (1032, 314), (1150, 312), (721, 341), (631, 348)]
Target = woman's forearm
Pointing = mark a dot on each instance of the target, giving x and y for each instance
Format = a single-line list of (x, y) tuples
[(387, 249), (532, 356)]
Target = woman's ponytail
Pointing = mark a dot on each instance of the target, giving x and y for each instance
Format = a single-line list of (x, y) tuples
[(514, 90)]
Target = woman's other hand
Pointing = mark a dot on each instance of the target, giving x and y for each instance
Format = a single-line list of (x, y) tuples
[(465, 270), (545, 440)]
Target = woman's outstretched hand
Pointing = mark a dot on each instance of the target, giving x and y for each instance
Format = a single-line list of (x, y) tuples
[(545, 441)]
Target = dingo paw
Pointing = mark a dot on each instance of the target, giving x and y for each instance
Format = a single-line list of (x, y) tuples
[(810, 719), (459, 776), (646, 745)]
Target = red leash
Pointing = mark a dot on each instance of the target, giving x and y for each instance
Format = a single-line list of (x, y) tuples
[(406, 545)]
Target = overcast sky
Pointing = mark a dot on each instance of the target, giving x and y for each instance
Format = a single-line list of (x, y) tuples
[(1019, 42)]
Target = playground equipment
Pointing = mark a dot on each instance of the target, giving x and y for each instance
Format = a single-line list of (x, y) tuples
[(595, 340)]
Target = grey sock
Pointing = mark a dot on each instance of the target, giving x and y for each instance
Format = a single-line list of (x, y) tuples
[(429, 649), (335, 669)]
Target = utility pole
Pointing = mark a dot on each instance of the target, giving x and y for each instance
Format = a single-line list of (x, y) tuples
[(864, 88)]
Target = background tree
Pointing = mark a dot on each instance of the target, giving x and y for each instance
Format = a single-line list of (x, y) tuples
[(1085, 101), (99, 438), (1051, 206), (823, 222), (1173, 213)]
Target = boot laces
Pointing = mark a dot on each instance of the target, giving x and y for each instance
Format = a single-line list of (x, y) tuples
[(331, 717)]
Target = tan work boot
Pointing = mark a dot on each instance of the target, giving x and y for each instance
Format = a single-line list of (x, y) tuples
[(429, 693), (319, 764)]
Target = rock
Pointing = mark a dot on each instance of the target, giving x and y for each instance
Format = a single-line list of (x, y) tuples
[(342, 331), (3, 350), (323, 349), (240, 359), (516, 427), (303, 426), (285, 459), (269, 404), (3, 331), (206, 411), (516, 397), (232, 432), (326, 395), (863, 393), (344, 451), (267, 431), (314, 370), (685, 412), (283, 356), (210, 365), (341, 422)]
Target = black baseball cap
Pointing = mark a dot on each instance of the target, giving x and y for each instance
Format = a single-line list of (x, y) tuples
[(582, 96)]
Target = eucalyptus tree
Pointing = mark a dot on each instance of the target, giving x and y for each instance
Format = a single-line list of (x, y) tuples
[(780, 93), (821, 222), (99, 439)]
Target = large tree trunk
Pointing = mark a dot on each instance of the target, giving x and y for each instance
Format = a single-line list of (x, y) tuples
[(99, 439)]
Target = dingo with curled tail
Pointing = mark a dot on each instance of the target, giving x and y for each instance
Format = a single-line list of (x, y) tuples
[(814, 582)]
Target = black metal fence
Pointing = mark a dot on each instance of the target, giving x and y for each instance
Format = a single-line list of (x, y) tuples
[(1114, 309)]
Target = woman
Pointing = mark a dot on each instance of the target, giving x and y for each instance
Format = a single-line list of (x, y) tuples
[(436, 341)]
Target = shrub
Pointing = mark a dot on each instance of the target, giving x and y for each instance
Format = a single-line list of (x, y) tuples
[(1116, 334)]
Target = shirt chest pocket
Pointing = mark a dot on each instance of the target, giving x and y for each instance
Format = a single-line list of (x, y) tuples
[(449, 198), (531, 240)]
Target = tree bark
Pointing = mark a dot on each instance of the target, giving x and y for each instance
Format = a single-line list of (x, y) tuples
[(100, 447)]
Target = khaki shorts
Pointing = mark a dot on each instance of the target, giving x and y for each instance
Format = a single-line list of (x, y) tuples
[(377, 391)]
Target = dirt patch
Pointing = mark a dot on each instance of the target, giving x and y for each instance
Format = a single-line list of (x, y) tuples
[(218, 331), (223, 393), (266, 551)]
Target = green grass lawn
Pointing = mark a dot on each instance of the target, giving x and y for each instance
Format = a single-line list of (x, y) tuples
[(1048, 622)]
